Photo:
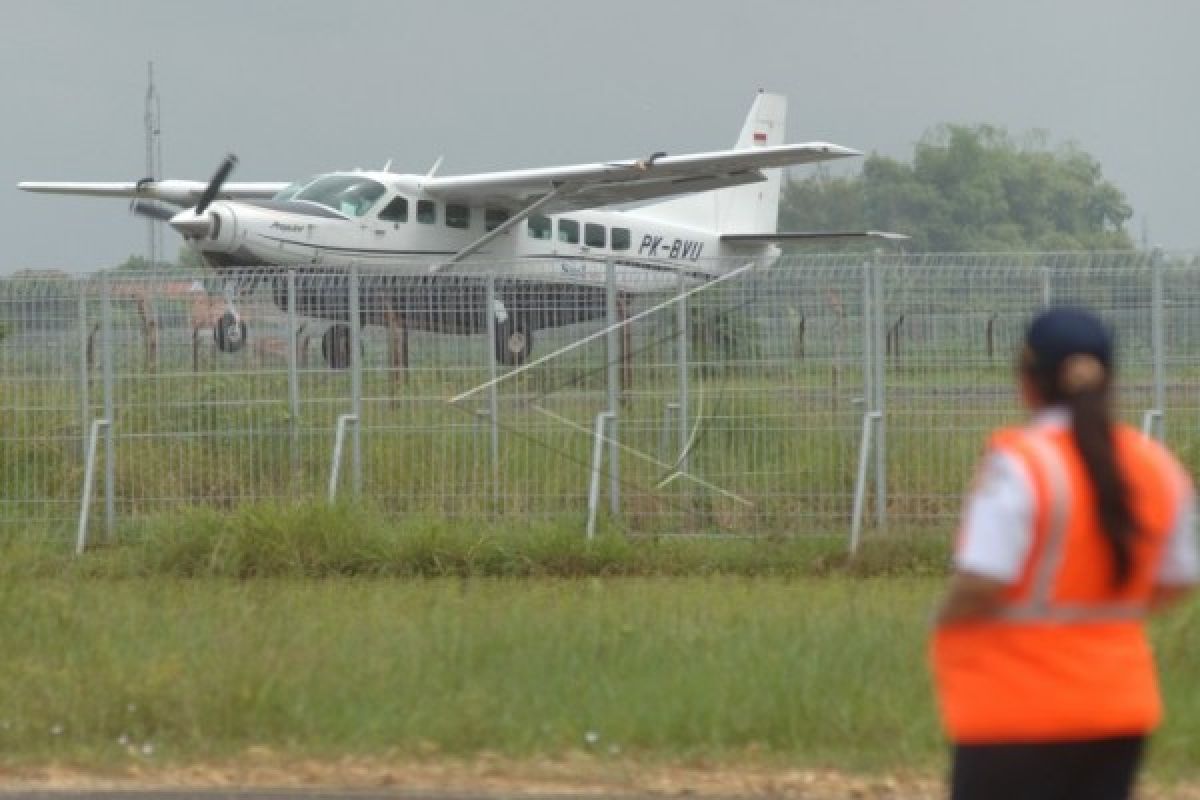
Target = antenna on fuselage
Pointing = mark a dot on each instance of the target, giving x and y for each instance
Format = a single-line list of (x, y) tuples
[(388, 166), (436, 166)]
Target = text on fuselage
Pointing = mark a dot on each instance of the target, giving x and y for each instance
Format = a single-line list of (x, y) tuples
[(658, 247)]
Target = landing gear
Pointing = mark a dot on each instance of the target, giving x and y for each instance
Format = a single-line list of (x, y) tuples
[(335, 346), (230, 332), (514, 340)]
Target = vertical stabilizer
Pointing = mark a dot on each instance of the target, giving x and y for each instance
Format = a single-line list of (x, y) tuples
[(754, 208), (751, 208)]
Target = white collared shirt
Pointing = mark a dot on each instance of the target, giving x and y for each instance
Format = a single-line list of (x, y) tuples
[(997, 526)]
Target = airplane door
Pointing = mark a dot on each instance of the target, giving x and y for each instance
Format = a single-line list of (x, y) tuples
[(385, 230)]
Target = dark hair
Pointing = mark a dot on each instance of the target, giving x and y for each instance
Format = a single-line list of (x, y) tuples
[(1081, 383)]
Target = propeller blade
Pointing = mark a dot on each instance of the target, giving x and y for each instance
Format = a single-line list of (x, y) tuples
[(153, 210), (214, 186)]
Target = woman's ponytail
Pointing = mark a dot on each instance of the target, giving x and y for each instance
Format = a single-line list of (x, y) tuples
[(1081, 383), (1084, 383)]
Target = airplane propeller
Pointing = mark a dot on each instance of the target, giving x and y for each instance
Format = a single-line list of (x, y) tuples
[(191, 222), (153, 210), (218, 180)]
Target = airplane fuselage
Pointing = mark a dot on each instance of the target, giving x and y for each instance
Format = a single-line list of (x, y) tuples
[(401, 226)]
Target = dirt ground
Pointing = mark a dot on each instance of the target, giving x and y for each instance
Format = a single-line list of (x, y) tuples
[(581, 774)]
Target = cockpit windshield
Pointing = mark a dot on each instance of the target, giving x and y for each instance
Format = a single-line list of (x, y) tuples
[(352, 195), (293, 189)]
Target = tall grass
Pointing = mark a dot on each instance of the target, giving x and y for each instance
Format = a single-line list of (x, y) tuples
[(317, 540), (826, 672)]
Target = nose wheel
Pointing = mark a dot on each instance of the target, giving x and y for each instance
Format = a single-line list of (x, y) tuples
[(230, 332)]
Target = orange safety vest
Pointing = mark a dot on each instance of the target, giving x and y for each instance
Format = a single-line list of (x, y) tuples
[(1066, 658)]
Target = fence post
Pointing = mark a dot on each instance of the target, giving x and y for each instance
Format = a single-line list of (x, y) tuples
[(681, 340), (89, 475), (1158, 344), (110, 463), (602, 419), (85, 406), (1047, 285), (335, 464), (879, 404), (356, 465), (613, 352), (870, 420), (489, 319), (293, 378)]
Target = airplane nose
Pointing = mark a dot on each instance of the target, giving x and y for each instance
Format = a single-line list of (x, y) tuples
[(191, 224)]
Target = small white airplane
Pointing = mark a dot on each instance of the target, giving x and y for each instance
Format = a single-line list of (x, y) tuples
[(721, 211)]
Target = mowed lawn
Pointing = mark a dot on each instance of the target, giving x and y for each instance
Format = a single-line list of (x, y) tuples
[(822, 671)]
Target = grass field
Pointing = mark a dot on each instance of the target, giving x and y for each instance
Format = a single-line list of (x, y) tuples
[(162, 653)]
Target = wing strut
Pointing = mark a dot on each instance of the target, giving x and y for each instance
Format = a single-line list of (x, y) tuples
[(502, 228)]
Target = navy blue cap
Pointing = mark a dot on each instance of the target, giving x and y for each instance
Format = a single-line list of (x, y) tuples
[(1057, 333)]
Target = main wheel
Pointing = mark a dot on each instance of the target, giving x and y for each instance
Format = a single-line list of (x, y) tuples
[(514, 340), (230, 333), (335, 346)]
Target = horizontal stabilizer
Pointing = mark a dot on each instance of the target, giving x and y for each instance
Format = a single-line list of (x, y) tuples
[(802, 236)]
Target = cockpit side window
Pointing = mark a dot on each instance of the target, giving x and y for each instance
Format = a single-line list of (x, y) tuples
[(395, 211), (352, 195), (541, 227)]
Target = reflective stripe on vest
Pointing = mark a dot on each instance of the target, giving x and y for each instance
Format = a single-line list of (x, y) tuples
[(1039, 605)]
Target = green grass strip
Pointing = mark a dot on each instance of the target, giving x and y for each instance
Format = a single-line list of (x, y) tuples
[(815, 672), (316, 540)]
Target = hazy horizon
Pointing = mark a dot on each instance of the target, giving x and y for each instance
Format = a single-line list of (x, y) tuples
[(296, 88)]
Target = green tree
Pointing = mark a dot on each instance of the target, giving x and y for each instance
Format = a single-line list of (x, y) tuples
[(133, 263), (187, 259), (971, 189)]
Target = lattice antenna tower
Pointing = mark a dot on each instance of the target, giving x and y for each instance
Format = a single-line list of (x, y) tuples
[(154, 234)]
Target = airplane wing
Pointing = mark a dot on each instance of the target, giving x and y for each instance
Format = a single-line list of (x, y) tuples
[(612, 183), (180, 193)]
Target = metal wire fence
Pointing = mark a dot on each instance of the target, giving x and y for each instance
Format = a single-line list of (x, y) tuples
[(737, 405)]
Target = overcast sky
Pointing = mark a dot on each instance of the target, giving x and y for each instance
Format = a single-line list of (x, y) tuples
[(299, 87)]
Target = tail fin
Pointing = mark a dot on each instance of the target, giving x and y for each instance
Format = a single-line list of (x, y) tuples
[(750, 208), (754, 207)]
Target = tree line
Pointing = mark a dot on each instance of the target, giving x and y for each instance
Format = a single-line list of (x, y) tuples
[(970, 189)]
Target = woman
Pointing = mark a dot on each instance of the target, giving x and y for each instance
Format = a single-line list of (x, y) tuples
[(1077, 527)]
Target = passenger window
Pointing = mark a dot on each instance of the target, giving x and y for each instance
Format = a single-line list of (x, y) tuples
[(593, 235), (494, 217), (457, 216), (620, 238), (426, 212), (395, 211), (540, 227), (568, 231)]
